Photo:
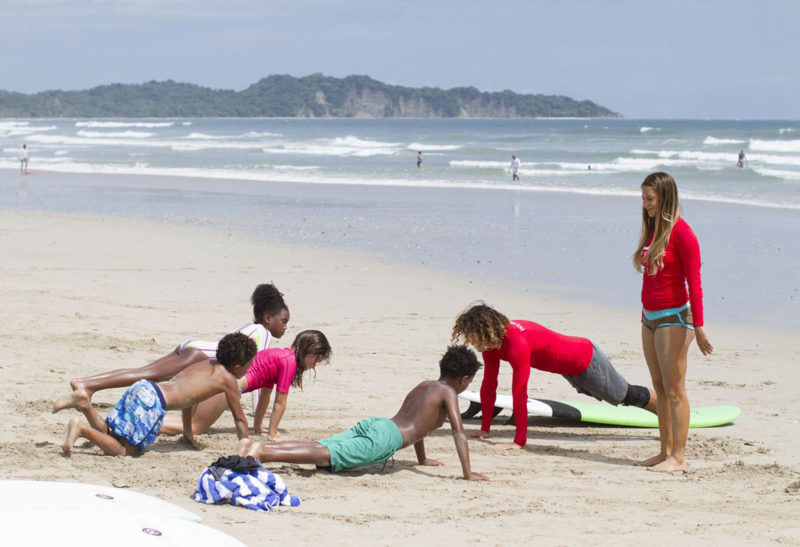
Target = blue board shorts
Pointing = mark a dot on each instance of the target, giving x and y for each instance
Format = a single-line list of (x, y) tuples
[(139, 415), (372, 440)]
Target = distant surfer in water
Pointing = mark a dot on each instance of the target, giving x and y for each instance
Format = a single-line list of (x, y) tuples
[(514, 168), (23, 159), (742, 163)]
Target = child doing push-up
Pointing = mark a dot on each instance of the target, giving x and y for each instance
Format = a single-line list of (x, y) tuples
[(133, 424), (375, 440)]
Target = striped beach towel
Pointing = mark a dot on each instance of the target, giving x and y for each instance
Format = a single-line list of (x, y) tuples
[(259, 490)]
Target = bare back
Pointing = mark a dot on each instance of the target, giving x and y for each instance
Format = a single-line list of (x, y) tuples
[(425, 409), (197, 383)]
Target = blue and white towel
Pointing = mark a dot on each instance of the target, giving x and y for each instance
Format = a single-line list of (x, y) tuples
[(259, 490)]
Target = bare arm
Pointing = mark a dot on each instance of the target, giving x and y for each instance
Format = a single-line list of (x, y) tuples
[(419, 448), (186, 416), (454, 415), (261, 409), (277, 413), (235, 404)]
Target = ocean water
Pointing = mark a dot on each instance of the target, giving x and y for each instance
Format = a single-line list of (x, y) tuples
[(555, 154), (563, 229)]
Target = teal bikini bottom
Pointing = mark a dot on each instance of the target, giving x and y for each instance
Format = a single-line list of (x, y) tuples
[(680, 317)]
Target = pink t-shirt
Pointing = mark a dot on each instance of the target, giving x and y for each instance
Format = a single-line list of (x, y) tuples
[(275, 366)]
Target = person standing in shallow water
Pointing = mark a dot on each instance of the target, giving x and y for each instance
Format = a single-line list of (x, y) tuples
[(514, 168), (668, 254), (419, 160), (23, 159)]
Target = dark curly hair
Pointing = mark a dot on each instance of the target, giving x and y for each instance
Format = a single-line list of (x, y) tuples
[(305, 343), (458, 361), (235, 349), (482, 324), (267, 300)]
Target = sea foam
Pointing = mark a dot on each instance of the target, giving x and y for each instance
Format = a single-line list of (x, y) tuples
[(123, 134), (714, 141), (96, 124), (775, 146)]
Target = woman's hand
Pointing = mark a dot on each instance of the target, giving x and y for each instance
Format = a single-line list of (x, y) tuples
[(702, 341)]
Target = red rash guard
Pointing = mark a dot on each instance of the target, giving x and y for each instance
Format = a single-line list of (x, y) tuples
[(529, 345), (667, 289)]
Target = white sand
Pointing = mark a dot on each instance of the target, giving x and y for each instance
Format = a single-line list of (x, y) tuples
[(85, 294)]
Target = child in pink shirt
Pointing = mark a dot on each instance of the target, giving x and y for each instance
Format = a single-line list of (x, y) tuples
[(278, 369)]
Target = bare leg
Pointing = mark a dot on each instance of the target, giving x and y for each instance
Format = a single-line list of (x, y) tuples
[(672, 347), (79, 400), (650, 356), (287, 452), (652, 404), (159, 370), (106, 442), (95, 420), (204, 416)]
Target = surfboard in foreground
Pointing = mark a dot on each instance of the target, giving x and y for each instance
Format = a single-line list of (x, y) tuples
[(603, 413), (101, 528), (45, 495)]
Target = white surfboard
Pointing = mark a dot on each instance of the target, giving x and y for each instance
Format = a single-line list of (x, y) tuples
[(535, 406), (101, 528), (48, 495)]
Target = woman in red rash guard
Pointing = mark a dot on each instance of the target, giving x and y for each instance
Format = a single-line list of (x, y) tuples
[(526, 345), (669, 256)]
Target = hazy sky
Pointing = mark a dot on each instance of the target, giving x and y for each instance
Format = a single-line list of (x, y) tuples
[(642, 58)]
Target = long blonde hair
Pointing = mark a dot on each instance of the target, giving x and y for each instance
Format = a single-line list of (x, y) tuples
[(660, 226)]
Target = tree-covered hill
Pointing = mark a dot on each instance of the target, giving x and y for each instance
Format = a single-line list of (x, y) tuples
[(286, 96)]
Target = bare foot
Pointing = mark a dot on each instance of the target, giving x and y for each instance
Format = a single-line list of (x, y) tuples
[(76, 399), (670, 465), (76, 384), (508, 446), (244, 446), (649, 462), (73, 432)]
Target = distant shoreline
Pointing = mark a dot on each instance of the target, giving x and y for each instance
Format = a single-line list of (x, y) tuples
[(112, 118), (278, 95)]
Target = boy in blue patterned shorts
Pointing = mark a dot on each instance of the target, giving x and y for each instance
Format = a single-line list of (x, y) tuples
[(374, 440), (134, 422)]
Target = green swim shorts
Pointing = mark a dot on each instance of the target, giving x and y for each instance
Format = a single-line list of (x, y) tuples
[(372, 440)]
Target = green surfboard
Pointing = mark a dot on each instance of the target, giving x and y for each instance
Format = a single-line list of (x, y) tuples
[(602, 413), (700, 416)]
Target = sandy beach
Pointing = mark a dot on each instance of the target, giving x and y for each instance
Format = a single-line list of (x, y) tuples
[(85, 294)]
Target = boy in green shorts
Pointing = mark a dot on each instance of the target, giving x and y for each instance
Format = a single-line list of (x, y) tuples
[(374, 440)]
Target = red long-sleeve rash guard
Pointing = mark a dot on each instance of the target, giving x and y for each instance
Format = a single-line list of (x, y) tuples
[(529, 345), (667, 289)]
